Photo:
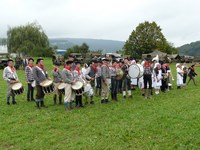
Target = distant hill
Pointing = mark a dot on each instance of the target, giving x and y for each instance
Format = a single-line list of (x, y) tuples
[(94, 44), (192, 49)]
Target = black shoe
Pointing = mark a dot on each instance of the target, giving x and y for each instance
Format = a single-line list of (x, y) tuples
[(28, 100), (92, 102), (8, 103), (102, 101), (42, 104), (143, 95), (124, 97), (106, 101), (37, 105), (14, 102)]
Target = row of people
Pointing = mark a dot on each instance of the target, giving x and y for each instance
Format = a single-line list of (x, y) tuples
[(103, 74)]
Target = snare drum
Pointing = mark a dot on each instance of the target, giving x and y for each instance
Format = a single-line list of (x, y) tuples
[(17, 88), (61, 88), (133, 71), (78, 87), (48, 86), (141, 70)]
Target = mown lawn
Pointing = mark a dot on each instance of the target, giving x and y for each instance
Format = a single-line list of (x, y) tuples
[(167, 121)]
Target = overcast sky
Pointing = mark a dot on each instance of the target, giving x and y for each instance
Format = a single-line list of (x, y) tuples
[(104, 19)]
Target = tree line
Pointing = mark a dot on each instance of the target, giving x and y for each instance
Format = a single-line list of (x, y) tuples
[(31, 40)]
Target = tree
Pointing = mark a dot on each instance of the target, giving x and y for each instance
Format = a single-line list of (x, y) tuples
[(3, 41), (29, 40), (146, 38), (83, 49)]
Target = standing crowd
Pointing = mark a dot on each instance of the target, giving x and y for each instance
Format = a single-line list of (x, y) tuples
[(98, 78)]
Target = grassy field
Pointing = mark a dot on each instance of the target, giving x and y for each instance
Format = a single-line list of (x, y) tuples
[(167, 121)]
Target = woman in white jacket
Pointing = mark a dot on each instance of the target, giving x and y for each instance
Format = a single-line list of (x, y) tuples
[(180, 72)]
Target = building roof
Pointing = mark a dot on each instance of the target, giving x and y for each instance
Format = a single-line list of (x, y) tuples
[(155, 53)]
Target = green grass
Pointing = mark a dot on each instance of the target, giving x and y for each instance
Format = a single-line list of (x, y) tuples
[(167, 121)]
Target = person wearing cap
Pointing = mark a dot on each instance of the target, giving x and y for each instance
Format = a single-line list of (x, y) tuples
[(78, 76), (40, 74), (90, 76), (179, 80), (57, 79), (30, 79), (126, 81), (68, 78), (10, 75), (147, 76), (113, 74), (105, 77)]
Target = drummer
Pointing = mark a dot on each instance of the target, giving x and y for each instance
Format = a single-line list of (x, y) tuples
[(57, 79), (10, 75), (126, 82), (78, 76), (68, 78), (30, 79), (40, 74)]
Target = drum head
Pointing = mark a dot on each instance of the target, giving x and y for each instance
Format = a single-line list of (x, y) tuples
[(141, 70), (16, 86), (46, 83), (62, 86), (133, 71), (77, 85)]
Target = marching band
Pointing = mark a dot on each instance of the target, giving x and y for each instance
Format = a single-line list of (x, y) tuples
[(109, 78)]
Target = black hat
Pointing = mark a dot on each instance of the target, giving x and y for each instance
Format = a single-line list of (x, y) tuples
[(77, 62), (30, 59), (148, 58), (39, 60), (57, 64), (10, 60), (69, 62)]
